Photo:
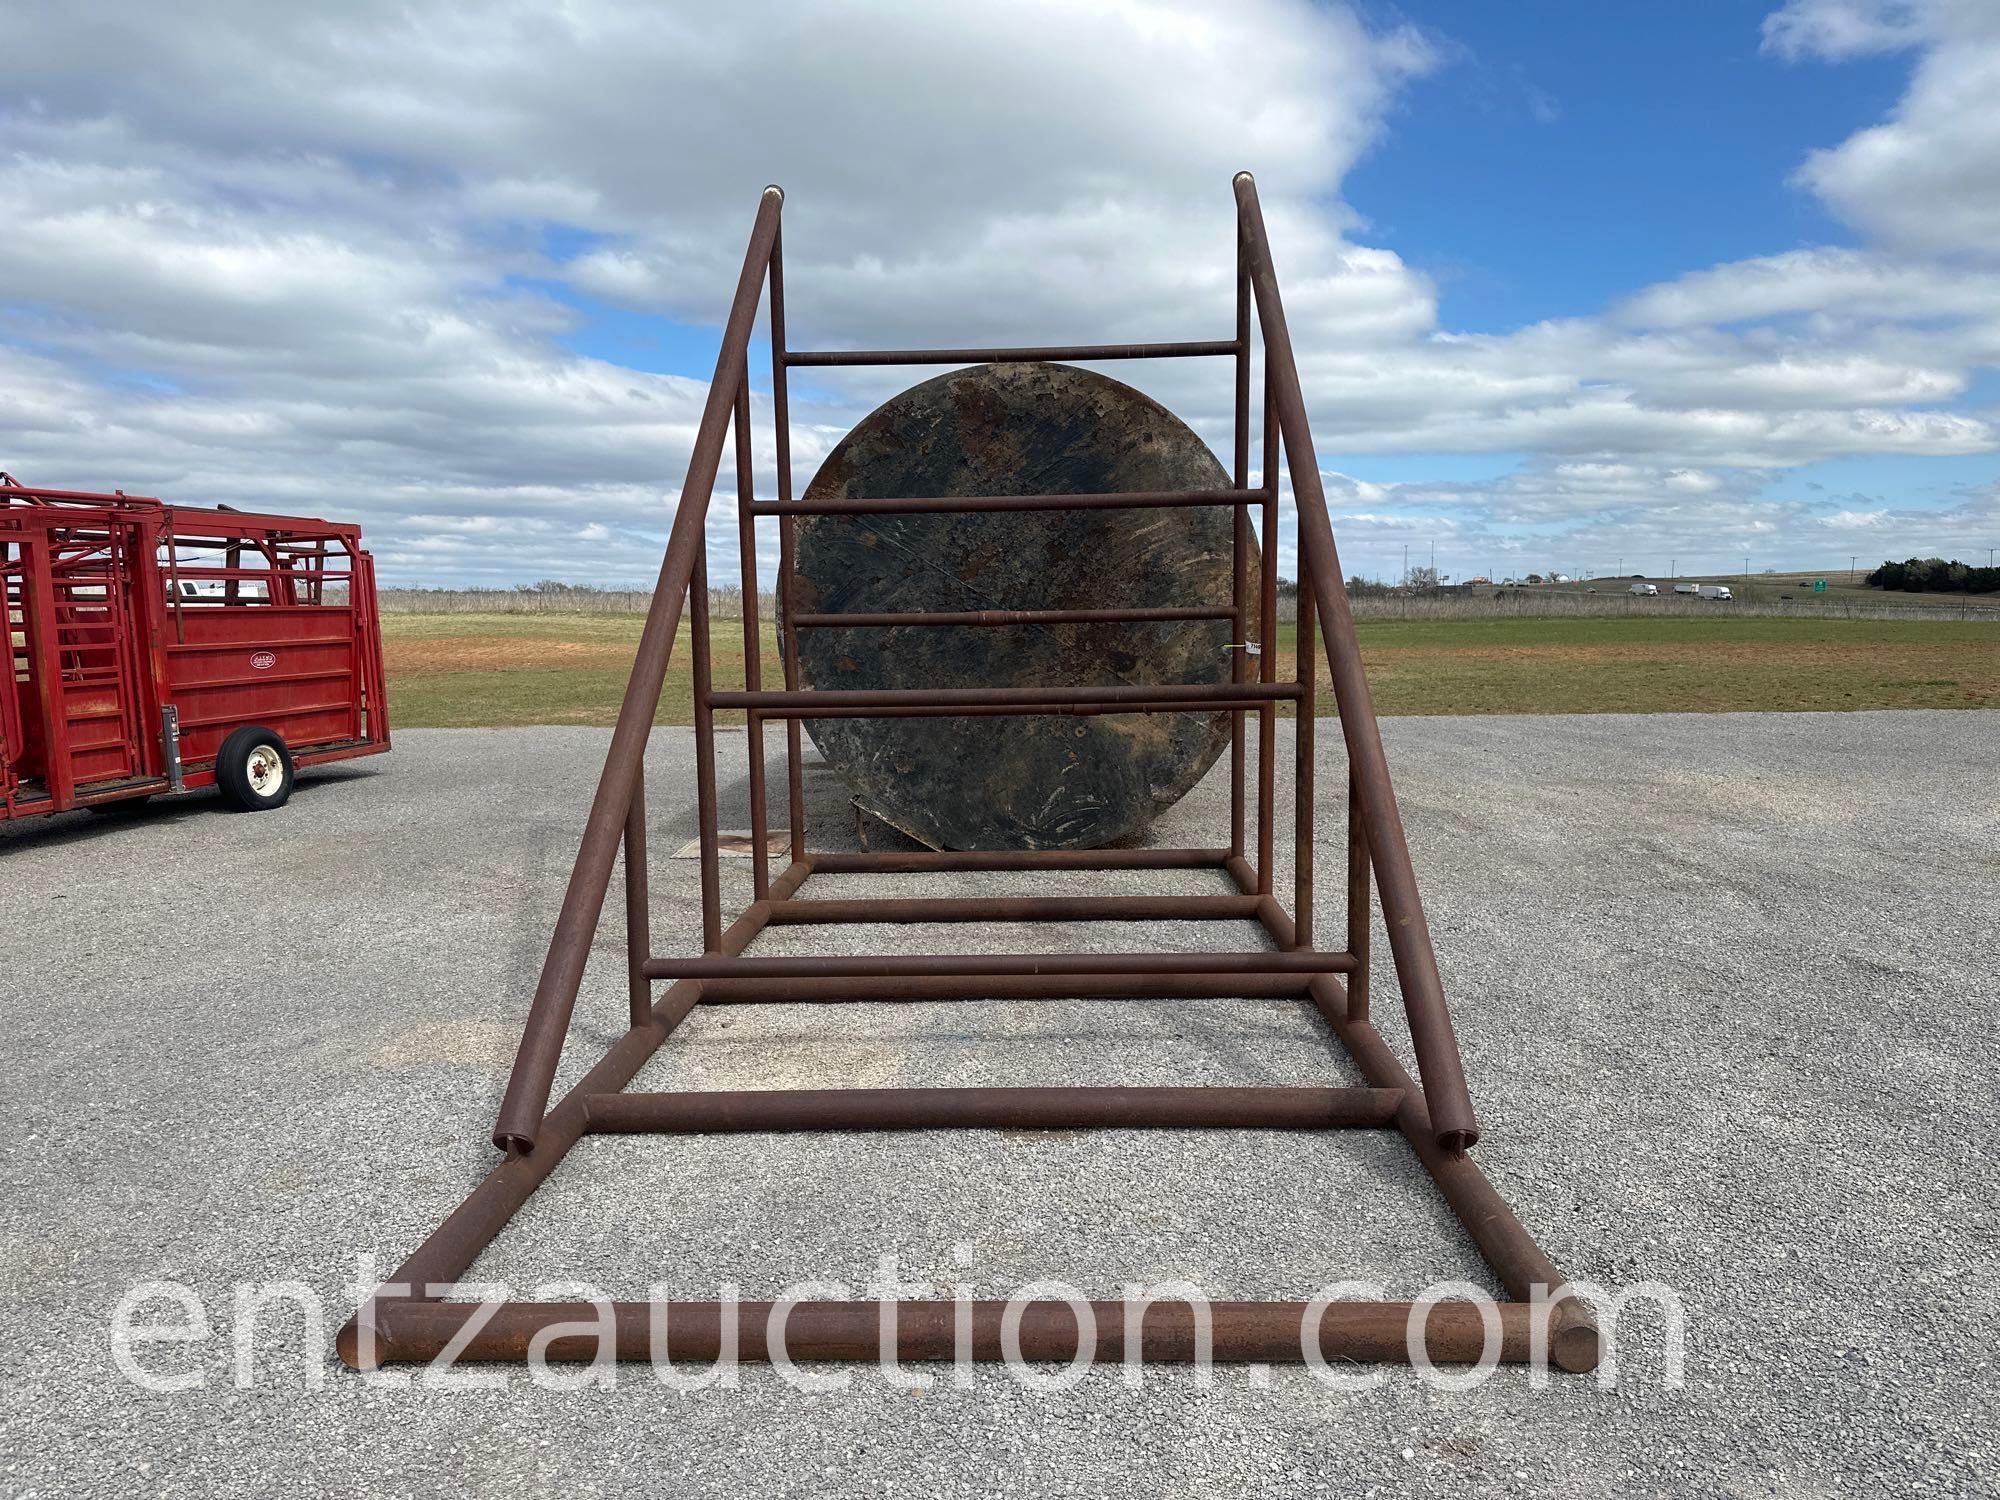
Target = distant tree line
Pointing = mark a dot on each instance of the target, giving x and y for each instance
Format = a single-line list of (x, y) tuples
[(1933, 575)]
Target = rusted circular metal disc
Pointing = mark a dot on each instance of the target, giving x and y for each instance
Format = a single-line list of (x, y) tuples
[(989, 782)]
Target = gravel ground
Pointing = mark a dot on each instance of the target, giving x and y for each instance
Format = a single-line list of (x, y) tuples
[(1725, 986)]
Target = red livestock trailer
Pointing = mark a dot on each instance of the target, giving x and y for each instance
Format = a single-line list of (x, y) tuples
[(157, 648)]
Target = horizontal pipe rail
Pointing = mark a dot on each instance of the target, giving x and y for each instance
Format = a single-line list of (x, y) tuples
[(816, 703), (1039, 710), (945, 965), (1187, 349), (998, 617), (915, 505), (1431, 1035), (1015, 909), (1006, 987), (1164, 1332), (925, 861), (737, 1110)]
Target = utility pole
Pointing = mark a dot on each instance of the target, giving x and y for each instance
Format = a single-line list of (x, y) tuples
[(1406, 564), (1857, 557)]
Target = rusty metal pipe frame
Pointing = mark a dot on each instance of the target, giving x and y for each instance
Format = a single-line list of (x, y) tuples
[(1431, 1034), (1005, 987), (936, 1331), (411, 1325), (1187, 349), (1267, 658), (812, 703), (534, 1071), (1005, 617), (737, 1110), (704, 752), (945, 965), (1525, 1271), (1359, 910), (983, 504), (925, 861), (753, 643), (638, 903), (899, 909), (407, 1325), (1239, 548), (786, 603), (1305, 800), (1012, 710)]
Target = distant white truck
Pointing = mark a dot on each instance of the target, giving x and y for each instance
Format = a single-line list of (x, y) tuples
[(1645, 590), (1687, 588), (1714, 591)]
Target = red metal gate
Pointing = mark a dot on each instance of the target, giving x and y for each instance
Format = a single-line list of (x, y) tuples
[(80, 601)]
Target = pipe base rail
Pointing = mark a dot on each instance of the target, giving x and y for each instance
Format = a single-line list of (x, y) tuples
[(926, 1331), (993, 1109), (413, 1317)]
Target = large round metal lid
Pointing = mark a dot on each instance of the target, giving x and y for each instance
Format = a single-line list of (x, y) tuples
[(1044, 782)]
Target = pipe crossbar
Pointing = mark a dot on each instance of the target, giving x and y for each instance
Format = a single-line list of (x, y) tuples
[(925, 861), (1008, 617), (408, 1318), (974, 504), (929, 1331), (1012, 1108), (1191, 349), (946, 965), (1016, 909), (1202, 697)]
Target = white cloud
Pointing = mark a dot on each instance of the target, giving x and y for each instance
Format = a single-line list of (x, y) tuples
[(1840, 29), (325, 260), (1923, 179), (336, 244), (1857, 284)]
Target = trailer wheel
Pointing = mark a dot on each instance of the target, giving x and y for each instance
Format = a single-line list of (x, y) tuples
[(254, 769)]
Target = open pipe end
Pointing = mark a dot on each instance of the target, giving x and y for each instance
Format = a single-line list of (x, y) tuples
[(1460, 1141), (1243, 177), (772, 190), (1573, 1341), (347, 1344), (513, 1144)]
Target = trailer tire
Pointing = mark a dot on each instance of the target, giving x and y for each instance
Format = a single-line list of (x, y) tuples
[(254, 769)]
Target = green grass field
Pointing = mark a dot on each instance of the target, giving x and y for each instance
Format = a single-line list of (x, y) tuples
[(494, 670)]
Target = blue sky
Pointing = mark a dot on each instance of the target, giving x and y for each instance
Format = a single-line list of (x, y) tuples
[(1566, 154), (1570, 282)]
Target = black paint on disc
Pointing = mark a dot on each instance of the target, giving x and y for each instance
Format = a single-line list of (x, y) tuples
[(1044, 782)]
